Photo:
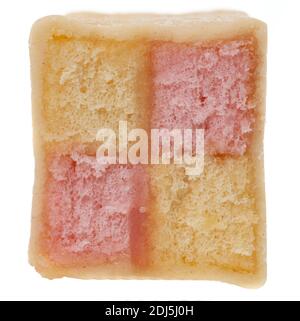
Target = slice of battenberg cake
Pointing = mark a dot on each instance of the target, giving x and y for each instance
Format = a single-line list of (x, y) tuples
[(199, 71)]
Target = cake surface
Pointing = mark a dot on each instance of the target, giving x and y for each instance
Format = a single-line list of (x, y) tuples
[(203, 71)]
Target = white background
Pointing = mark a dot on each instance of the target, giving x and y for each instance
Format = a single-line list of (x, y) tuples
[(18, 280)]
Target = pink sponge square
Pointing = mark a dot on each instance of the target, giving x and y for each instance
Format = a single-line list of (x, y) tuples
[(94, 212), (206, 86)]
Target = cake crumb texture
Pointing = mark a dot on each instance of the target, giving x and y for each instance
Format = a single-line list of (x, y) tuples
[(208, 221), (90, 84), (91, 210), (207, 86)]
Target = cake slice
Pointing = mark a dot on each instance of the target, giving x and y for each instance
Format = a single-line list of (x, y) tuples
[(203, 71)]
